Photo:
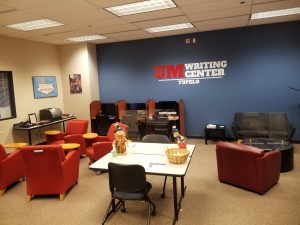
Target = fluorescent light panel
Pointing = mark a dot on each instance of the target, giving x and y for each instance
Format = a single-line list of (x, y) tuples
[(35, 24), (169, 27), (141, 7), (274, 13), (86, 38)]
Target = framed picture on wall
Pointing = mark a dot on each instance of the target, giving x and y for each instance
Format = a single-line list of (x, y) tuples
[(7, 96), (75, 83), (44, 86)]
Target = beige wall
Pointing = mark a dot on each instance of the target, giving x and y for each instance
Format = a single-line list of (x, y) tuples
[(79, 59), (26, 59)]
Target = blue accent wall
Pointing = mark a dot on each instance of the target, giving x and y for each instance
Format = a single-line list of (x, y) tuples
[(262, 64)]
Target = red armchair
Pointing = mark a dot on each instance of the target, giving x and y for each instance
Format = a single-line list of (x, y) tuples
[(102, 145), (48, 170), (247, 167), (11, 168), (73, 134)]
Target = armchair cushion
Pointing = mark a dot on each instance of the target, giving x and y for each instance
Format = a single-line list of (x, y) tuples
[(247, 167)]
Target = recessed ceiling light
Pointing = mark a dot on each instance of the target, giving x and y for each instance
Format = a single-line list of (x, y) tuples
[(34, 25), (86, 38), (169, 27), (274, 13), (141, 7)]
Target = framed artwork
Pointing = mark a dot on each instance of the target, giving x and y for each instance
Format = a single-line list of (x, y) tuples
[(75, 84), (32, 118), (7, 96), (44, 86)]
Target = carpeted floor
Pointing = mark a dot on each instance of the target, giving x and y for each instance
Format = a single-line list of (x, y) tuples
[(207, 201)]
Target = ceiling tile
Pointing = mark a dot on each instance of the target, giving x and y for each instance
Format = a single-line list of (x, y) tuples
[(217, 22), (114, 29), (16, 17), (61, 8), (275, 6), (218, 14)]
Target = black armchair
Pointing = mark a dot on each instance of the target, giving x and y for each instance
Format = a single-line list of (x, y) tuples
[(128, 182), (158, 138)]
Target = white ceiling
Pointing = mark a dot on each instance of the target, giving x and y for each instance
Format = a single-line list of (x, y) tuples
[(87, 17)]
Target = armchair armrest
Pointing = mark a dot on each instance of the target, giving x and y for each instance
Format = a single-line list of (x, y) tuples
[(13, 164), (268, 169), (13, 160), (70, 167), (102, 148)]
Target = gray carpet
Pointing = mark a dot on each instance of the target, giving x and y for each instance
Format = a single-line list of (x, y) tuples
[(207, 201)]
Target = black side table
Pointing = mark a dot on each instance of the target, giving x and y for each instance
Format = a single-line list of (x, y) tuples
[(217, 133)]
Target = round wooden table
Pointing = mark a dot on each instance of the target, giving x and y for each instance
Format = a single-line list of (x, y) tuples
[(52, 132), (90, 135), (14, 145), (70, 146)]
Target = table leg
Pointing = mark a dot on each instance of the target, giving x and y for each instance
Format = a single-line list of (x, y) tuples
[(29, 135), (182, 187), (175, 200), (63, 126)]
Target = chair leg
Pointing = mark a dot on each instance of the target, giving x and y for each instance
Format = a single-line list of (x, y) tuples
[(61, 197), (110, 209), (2, 191), (28, 198), (149, 214), (163, 195)]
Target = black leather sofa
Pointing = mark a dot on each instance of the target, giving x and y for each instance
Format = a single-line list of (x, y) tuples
[(262, 125)]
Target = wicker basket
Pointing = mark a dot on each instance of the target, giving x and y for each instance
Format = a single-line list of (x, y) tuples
[(177, 155)]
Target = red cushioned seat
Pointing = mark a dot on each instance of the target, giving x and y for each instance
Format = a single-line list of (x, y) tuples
[(247, 167), (48, 170)]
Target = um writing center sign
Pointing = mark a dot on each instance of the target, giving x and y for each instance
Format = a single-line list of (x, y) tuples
[(191, 73)]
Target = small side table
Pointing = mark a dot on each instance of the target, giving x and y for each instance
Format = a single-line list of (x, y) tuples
[(52, 132), (90, 135), (70, 146), (218, 133), (13, 146)]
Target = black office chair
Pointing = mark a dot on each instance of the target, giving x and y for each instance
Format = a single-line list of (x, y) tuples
[(102, 123), (158, 138), (128, 182), (132, 122)]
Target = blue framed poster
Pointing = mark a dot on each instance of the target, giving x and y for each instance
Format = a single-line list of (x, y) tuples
[(44, 86)]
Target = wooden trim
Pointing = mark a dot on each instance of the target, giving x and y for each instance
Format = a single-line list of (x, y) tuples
[(181, 117)]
